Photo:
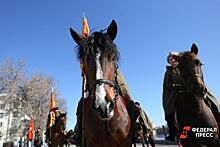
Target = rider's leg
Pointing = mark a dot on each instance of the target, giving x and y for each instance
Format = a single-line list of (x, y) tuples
[(171, 126), (78, 127), (214, 105)]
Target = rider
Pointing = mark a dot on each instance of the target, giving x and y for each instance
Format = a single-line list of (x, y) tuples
[(143, 118), (144, 122), (172, 84), (38, 139), (51, 122)]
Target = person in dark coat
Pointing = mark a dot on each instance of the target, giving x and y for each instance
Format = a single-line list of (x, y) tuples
[(171, 85), (38, 139)]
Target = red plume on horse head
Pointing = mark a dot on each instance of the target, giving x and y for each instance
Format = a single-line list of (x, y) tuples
[(85, 31), (111, 32)]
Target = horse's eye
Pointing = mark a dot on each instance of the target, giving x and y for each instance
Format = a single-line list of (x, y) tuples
[(112, 58), (197, 62)]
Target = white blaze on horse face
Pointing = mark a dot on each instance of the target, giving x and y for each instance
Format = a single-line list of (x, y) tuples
[(100, 91)]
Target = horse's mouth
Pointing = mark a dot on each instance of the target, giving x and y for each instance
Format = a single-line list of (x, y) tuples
[(107, 111)]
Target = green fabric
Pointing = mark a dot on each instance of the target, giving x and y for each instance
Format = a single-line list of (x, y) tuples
[(145, 119), (124, 87), (210, 97), (127, 96)]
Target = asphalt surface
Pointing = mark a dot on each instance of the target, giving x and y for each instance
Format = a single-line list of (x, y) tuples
[(139, 145)]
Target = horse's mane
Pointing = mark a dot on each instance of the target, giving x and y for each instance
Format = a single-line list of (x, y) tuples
[(188, 53), (98, 40)]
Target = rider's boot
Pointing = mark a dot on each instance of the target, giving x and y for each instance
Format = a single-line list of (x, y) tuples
[(172, 130)]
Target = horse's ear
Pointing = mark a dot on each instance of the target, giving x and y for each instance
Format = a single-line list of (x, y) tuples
[(194, 49), (76, 37), (112, 30)]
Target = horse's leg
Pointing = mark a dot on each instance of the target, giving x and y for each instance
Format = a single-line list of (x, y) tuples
[(192, 145), (151, 140), (145, 139), (215, 143), (142, 142), (135, 144)]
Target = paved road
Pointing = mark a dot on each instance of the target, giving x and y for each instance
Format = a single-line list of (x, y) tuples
[(166, 145), (139, 145)]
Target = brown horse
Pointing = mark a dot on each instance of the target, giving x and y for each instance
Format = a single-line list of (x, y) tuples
[(192, 113), (107, 122), (142, 133), (144, 136), (55, 134)]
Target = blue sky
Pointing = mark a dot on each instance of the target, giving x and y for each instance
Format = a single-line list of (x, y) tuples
[(38, 33)]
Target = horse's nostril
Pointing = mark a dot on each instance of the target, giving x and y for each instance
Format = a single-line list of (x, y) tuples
[(110, 109), (111, 104)]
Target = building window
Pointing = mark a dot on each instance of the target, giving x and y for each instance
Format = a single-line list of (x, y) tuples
[(13, 122), (1, 115), (1, 124), (2, 106)]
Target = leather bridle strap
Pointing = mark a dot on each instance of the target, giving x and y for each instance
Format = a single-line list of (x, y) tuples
[(102, 81)]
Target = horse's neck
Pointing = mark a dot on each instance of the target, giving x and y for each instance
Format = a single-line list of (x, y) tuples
[(192, 103), (57, 139)]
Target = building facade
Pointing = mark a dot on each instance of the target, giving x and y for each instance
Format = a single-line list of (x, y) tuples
[(8, 124)]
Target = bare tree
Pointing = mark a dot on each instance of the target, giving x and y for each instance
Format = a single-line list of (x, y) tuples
[(27, 96), (38, 94), (11, 78)]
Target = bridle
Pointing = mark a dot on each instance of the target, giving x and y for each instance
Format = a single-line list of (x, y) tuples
[(198, 74), (115, 84), (111, 83)]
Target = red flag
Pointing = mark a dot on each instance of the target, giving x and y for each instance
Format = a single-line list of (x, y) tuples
[(52, 110), (52, 101), (85, 31), (31, 129), (52, 119)]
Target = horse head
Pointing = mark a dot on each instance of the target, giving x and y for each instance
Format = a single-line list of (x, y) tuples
[(61, 122), (191, 71), (100, 55), (191, 108)]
